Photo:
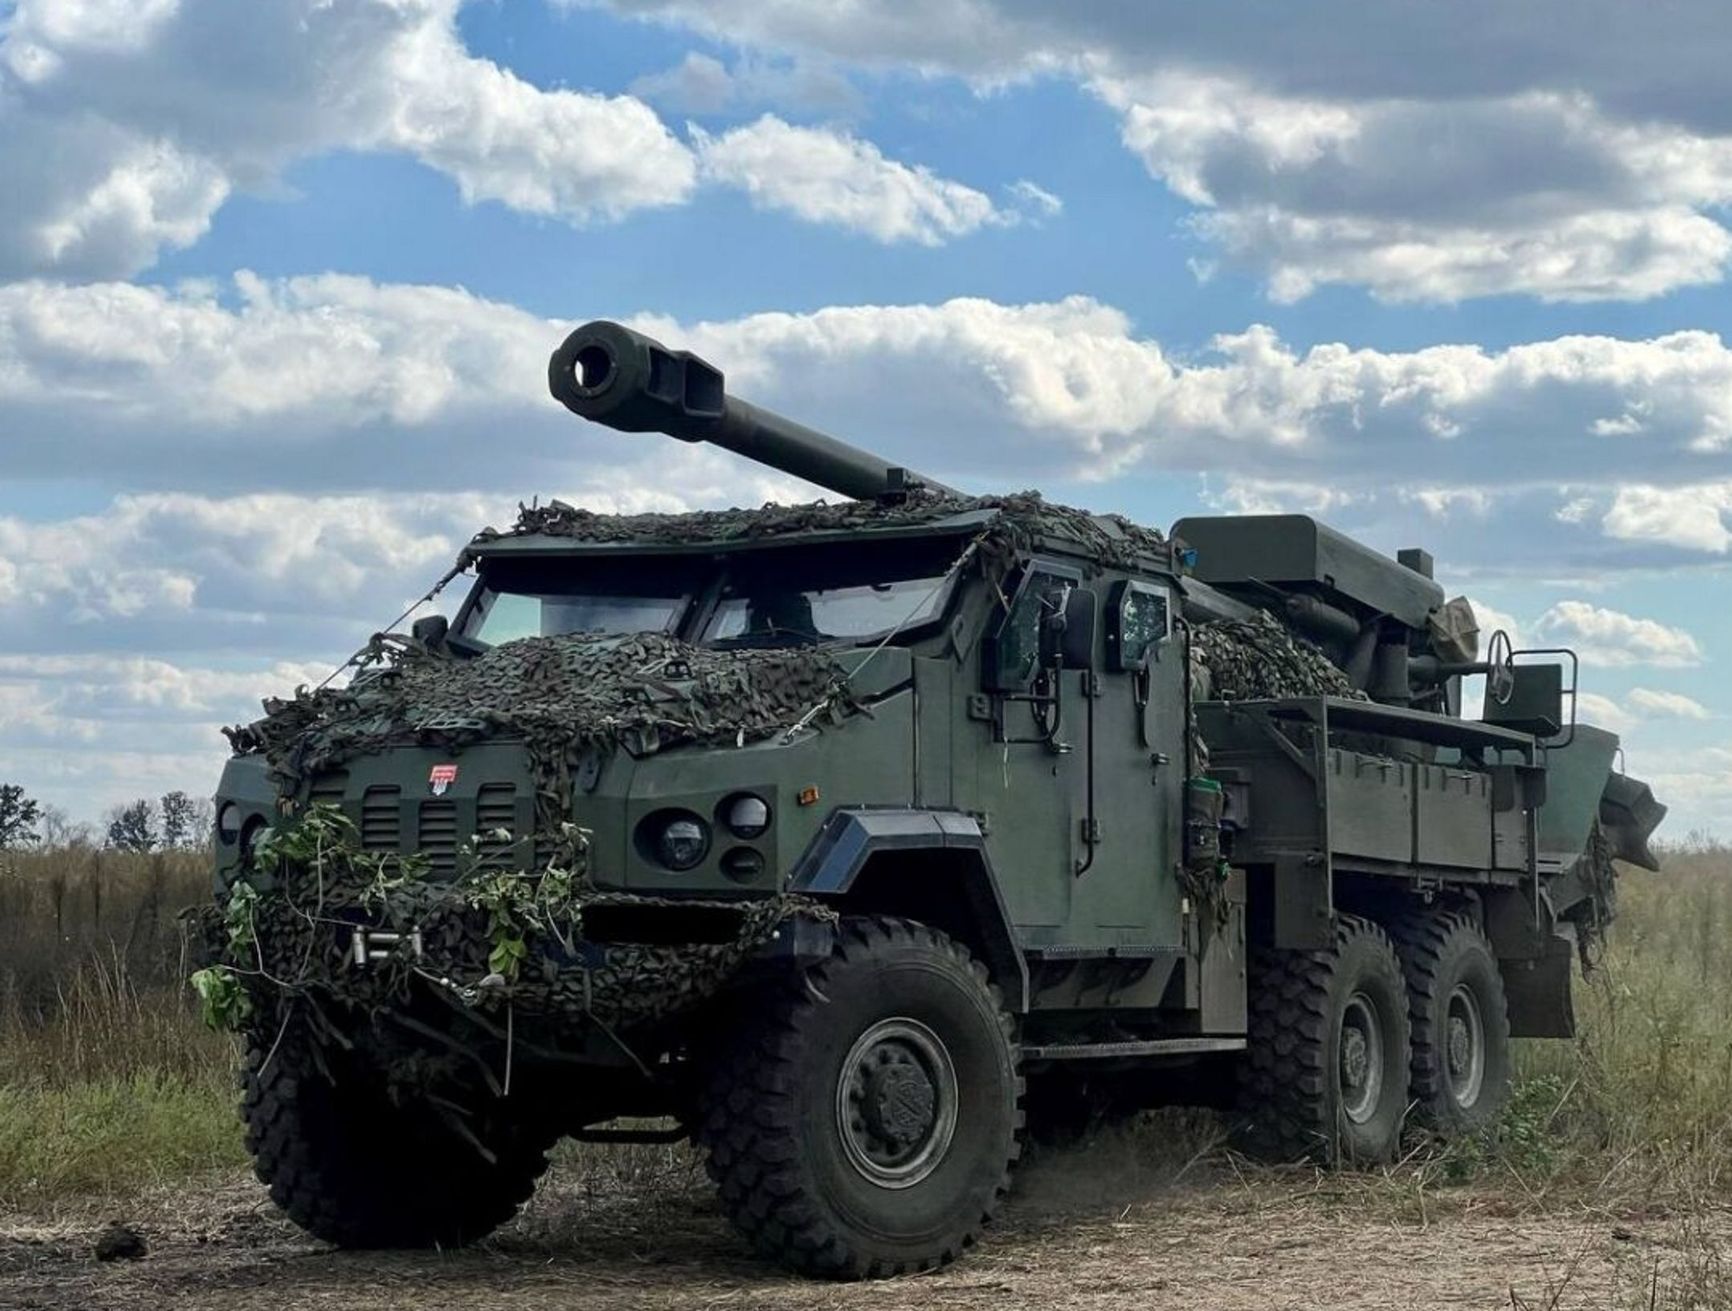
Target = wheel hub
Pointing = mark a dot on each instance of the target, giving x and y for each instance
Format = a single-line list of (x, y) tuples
[(1464, 1047), (1361, 1059), (1353, 1059), (899, 1101), (896, 1102)]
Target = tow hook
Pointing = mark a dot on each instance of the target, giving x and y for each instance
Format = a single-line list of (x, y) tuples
[(372, 945)]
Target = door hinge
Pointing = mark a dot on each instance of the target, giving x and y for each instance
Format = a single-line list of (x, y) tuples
[(1091, 831)]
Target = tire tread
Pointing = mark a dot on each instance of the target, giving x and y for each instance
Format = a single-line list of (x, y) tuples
[(748, 1123)]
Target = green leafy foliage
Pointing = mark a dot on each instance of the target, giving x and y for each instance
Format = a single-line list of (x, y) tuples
[(307, 840), (238, 916), (519, 905), (222, 1000)]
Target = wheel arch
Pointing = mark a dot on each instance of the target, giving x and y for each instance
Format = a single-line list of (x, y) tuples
[(926, 865)]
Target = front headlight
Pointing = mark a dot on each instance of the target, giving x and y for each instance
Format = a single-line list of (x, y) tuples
[(682, 841), (251, 832), (228, 822), (747, 816)]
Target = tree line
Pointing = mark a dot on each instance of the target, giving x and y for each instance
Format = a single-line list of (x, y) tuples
[(175, 821)]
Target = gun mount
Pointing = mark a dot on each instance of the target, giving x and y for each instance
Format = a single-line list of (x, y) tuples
[(610, 374)]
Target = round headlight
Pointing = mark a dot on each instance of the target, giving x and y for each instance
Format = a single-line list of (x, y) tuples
[(683, 842), (228, 822), (746, 816), (251, 832)]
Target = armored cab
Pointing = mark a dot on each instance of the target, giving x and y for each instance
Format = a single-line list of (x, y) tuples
[(856, 840)]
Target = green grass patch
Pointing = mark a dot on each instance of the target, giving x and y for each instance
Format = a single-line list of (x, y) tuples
[(112, 1136)]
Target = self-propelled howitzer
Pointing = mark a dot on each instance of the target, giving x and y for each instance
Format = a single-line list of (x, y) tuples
[(861, 839)]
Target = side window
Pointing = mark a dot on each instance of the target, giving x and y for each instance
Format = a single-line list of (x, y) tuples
[(1139, 618), (1012, 654)]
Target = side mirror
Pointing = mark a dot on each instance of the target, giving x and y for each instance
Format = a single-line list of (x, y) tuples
[(430, 630), (1067, 639)]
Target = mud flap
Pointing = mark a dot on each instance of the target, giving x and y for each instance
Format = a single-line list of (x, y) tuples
[(1538, 991)]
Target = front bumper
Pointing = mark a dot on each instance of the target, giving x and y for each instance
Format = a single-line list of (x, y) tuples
[(614, 959)]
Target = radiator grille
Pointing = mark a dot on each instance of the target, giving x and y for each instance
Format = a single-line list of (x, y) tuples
[(495, 812), (328, 789), (381, 822), (437, 839)]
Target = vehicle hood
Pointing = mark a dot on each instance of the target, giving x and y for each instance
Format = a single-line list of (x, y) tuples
[(564, 697)]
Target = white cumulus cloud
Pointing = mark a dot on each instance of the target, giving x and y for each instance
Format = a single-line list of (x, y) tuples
[(124, 132), (828, 176), (1613, 639), (1566, 150), (1667, 705), (1603, 712), (339, 383), (1693, 517)]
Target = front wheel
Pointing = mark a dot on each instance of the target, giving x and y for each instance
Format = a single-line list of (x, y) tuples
[(351, 1166), (865, 1121)]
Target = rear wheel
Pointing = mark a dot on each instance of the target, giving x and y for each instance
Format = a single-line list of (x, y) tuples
[(1325, 1071), (1460, 1076), (865, 1121), (352, 1167)]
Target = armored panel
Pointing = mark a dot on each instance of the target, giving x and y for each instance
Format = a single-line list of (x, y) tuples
[(1576, 775), (1509, 839), (1221, 974), (1452, 818), (1370, 806), (1536, 702), (1288, 550)]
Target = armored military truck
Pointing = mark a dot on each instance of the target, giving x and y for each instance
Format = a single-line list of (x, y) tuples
[(854, 840)]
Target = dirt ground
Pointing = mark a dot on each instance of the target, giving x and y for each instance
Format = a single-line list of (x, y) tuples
[(1089, 1229)]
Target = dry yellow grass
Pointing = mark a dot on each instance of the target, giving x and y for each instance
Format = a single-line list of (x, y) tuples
[(108, 1082)]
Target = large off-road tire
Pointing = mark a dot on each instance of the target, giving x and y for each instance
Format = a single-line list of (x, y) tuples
[(864, 1120), (1460, 1077), (350, 1167), (1325, 1072)]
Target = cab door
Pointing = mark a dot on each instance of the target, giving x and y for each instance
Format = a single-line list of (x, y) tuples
[(1026, 769), (1128, 893)]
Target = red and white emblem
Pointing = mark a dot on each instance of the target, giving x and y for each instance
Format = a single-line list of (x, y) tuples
[(441, 778)]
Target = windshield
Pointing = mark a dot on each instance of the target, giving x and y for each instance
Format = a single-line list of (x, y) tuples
[(781, 596), (506, 616), (770, 610)]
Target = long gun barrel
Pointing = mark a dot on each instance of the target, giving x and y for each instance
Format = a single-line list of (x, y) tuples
[(610, 374)]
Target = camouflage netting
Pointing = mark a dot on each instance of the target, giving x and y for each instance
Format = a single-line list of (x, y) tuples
[(1256, 659), (1261, 659), (1017, 519), (564, 697), (1597, 908), (494, 939), (567, 699)]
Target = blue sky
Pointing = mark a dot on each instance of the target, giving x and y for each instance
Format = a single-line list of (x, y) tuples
[(275, 292)]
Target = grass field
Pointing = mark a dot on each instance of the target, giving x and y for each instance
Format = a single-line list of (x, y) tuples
[(109, 1084), (108, 1081)]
